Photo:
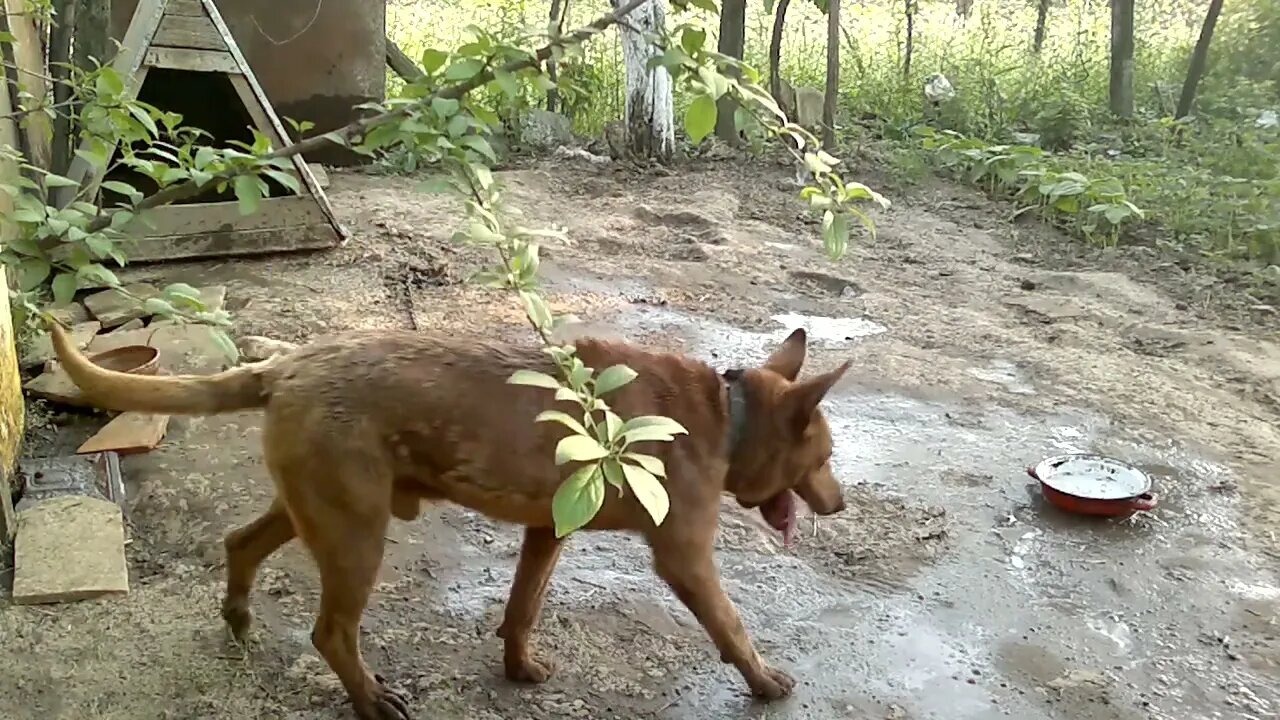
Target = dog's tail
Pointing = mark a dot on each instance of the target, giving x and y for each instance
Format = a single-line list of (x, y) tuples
[(236, 389)]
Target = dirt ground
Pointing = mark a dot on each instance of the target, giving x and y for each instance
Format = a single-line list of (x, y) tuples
[(947, 590)]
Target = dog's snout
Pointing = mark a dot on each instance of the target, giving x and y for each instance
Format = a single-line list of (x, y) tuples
[(837, 507)]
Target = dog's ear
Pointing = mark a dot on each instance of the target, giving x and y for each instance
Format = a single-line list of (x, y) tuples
[(788, 358), (801, 400)]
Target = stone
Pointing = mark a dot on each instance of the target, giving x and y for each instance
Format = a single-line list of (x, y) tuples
[(113, 308), (134, 324), (188, 349), (545, 130), (69, 548), (120, 338), (40, 350), (256, 348), (128, 433), (72, 314), (56, 386)]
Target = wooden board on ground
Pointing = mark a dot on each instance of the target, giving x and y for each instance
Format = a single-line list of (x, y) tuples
[(69, 548), (127, 434), (232, 244)]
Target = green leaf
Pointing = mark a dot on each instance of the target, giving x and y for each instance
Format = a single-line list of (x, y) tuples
[(141, 114), (835, 235), (651, 428), (613, 474), (577, 500), (248, 193), (433, 60), (32, 272), (692, 39), (700, 118), (533, 379), (708, 5), (563, 418), (654, 465), (612, 425), (286, 179), (158, 306), (444, 107), (464, 69), (57, 181), (612, 378), (507, 82), (649, 491), (225, 344), (123, 188), (579, 448), (64, 288)]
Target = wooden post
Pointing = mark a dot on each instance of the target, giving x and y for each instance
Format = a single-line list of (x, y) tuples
[(1199, 58), (1122, 58), (733, 28), (12, 409), (833, 76)]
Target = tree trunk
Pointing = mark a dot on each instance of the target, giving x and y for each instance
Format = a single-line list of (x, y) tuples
[(649, 122), (833, 75), (775, 50), (1199, 58), (733, 31), (1122, 58), (64, 23), (553, 74), (1042, 20), (911, 39), (402, 64), (93, 20)]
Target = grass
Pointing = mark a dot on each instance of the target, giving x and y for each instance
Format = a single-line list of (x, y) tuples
[(1208, 186)]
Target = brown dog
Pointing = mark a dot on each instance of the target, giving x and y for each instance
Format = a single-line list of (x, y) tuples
[(365, 427)]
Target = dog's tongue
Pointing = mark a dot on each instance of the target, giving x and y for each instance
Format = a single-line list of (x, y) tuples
[(780, 512)]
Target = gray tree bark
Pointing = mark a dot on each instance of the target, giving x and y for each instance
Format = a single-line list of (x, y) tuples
[(1122, 58), (1199, 60), (649, 122)]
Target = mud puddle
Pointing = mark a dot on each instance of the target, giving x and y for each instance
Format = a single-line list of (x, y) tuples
[(1026, 612)]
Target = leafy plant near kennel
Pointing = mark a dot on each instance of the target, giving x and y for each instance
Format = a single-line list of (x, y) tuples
[(59, 250)]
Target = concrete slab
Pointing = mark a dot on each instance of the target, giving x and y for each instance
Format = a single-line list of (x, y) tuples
[(67, 549)]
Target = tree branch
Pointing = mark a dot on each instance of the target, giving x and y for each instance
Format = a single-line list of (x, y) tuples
[(358, 128)]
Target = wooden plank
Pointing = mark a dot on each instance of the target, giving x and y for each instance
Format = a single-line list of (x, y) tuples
[(197, 218), (322, 176), (177, 31), (185, 8), (258, 111), (69, 548), (194, 60), (127, 434), (28, 56), (234, 243), (128, 63)]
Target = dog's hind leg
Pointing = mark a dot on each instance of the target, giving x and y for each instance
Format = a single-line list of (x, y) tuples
[(341, 510), (246, 548), (538, 556), (688, 566)]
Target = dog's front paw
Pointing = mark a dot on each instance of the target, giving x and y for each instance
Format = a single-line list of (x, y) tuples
[(525, 669), (771, 684), (383, 704)]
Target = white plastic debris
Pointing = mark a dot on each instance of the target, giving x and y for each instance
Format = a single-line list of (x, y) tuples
[(937, 88)]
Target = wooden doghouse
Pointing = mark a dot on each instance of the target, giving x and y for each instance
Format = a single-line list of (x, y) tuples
[(179, 56)]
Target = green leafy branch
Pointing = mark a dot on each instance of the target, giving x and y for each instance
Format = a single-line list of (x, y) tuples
[(711, 75)]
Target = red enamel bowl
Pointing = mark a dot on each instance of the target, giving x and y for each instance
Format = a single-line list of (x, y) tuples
[(1088, 484)]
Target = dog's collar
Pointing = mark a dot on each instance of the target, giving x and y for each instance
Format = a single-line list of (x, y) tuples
[(737, 391)]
